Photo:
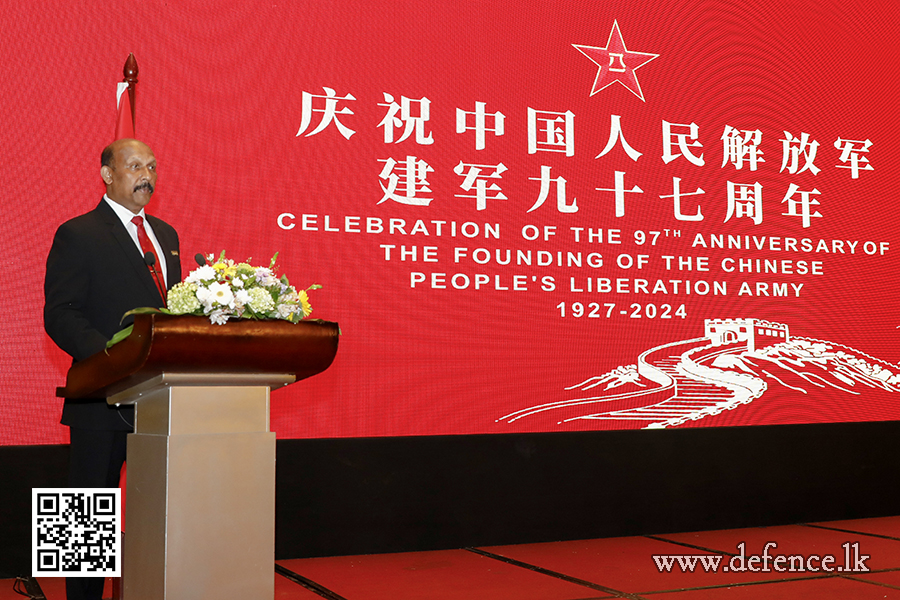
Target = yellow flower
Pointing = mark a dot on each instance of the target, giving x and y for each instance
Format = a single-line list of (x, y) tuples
[(226, 269), (304, 304)]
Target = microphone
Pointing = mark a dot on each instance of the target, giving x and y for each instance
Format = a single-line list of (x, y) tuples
[(201, 260), (150, 260)]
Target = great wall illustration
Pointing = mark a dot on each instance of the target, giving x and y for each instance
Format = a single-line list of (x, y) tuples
[(733, 364)]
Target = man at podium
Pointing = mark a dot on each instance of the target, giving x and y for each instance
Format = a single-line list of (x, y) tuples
[(101, 265)]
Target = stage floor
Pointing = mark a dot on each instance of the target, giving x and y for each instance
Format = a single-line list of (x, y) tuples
[(613, 568)]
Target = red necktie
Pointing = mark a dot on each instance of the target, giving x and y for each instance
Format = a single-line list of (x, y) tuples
[(147, 246)]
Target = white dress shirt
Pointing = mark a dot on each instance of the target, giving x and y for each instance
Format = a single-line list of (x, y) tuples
[(126, 215)]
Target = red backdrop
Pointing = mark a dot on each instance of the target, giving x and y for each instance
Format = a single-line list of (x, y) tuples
[(406, 228)]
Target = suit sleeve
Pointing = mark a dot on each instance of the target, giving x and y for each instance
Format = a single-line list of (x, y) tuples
[(66, 293)]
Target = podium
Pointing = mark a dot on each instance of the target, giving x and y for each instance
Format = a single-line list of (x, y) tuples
[(200, 497)]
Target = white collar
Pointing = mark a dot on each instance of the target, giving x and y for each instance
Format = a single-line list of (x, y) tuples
[(123, 213)]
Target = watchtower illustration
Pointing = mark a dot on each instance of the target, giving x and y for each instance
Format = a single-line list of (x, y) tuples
[(757, 333)]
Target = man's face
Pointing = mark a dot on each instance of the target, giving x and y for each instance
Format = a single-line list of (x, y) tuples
[(131, 179)]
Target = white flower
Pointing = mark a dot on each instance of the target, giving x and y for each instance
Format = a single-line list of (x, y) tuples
[(202, 294), (218, 317), (242, 297), (286, 310), (201, 273), (237, 282), (220, 294)]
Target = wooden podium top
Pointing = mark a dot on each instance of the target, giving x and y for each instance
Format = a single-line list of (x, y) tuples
[(192, 345)]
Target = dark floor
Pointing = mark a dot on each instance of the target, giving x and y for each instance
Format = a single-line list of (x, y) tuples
[(611, 568)]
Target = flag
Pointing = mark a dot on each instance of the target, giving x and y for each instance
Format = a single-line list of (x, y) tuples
[(124, 120)]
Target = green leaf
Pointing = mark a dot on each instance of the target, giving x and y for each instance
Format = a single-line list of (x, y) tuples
[(146, 310), (119, 336)]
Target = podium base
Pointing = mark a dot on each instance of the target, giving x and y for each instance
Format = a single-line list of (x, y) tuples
[(201, 495)]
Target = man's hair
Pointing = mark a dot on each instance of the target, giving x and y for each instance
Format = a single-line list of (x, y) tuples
[(106, 157)]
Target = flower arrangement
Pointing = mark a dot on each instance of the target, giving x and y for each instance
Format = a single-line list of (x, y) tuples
[(225, 289)]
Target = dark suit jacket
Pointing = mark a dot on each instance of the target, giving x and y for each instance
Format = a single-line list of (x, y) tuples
[(95, 274)]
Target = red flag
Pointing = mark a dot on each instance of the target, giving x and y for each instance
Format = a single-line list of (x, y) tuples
[(124, 120)]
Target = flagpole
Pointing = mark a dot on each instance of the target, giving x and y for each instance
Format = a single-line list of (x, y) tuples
[(130, 71)]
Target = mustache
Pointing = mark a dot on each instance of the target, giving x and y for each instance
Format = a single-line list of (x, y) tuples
[(144, 186)]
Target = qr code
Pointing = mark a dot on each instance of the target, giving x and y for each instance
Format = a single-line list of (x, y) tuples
[(75, 532)]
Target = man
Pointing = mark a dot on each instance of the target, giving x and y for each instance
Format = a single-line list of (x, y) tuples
[(96, 272)]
